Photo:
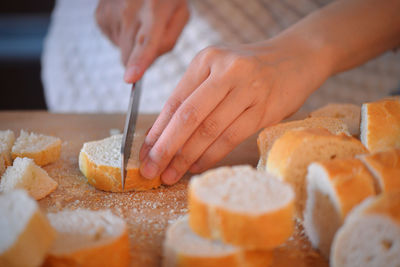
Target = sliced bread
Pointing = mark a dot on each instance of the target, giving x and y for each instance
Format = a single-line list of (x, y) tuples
[(380, 125), (334, 187), (295, 150), (41, 148), (241, 206), (100, 162), (7, 139), (88, 238), (370, 235), (350, 114), (385, 167), (267, 137), (26, 234), (25, 174), (182, 247)]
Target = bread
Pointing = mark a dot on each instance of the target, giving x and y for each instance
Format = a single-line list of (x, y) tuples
[(88, 238), (334, 187), (242, 207), (370, 235), (27, 175), (296, 149), (42, 149), (25, 234), (182, 247), (385, 167), (7, 140), (380, 125), (100, 162), (350, 114), (267, 137)]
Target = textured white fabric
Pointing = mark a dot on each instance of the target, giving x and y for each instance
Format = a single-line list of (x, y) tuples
[(82, 71)]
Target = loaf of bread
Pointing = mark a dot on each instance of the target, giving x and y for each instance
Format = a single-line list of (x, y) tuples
[(25, 174), (41, 148), (295, 150), (350, 114), (182, 247), (26, 234), (100, 162), (385, 167), (242, 207), (267, 137), (380, 125), (7, 139), (370, 236), (88, 238), (334, 187)]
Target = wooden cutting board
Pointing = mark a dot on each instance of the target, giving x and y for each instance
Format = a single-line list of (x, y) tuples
[(147, 213)]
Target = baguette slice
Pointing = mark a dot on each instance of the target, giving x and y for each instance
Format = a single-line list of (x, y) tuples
[(269, 135), (26, 234), (350, 114), (88, 238), (370, 235), (242, 207), (334, 187), (380, 125), (385, 167), (100, 162), (7, 139), (41, 148), (182, 247), (295, 150), (25, 174)]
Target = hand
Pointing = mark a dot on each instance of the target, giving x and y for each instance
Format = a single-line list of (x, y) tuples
[(226, 95), (142, 29)]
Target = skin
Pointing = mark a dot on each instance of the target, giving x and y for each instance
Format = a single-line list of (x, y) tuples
[(230, 92)]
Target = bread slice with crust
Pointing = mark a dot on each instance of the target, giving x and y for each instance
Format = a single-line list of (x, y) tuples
[(295, 150), (370, 235), (88, 238), (25, 174), (7, 139), (334, 187), (41, 148), (269, 135), (100, 163), (350, 114), (380, 125), (242, 207), (26, 234), (182, 247), (385, 167)]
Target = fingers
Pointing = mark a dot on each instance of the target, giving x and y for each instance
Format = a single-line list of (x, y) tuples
[(244, 126), (197, 72), (127, 40), (183, 123), (208, 131)]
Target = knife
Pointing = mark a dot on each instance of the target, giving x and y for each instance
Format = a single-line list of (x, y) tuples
[(129, 130)]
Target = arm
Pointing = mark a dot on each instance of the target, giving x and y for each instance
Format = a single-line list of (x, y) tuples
[(229, 93)]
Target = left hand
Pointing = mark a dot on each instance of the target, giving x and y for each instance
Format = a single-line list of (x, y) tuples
[(226, 95)]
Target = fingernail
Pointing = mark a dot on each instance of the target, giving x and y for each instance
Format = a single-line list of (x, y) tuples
[(149, 169), (131, 73), (169, 176), (144, 151)]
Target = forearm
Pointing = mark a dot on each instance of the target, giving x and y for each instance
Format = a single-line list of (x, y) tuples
[(347, 33)]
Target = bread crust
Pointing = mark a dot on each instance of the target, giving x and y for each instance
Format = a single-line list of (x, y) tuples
[(264, 231), (42, 157), (108, 178), (113, 254)]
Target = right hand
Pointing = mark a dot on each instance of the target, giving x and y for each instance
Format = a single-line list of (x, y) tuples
[(142, 29)]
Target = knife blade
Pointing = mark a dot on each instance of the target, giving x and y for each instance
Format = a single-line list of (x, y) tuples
[(129, 129)]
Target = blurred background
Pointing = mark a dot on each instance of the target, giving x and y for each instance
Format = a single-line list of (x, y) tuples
[(23, 26)]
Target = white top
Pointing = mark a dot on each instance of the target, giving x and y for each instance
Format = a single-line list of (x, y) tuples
[(82, 71)]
